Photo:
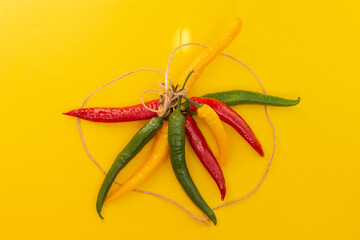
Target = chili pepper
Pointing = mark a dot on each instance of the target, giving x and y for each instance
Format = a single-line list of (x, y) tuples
[(158, 154), (206, 113), (143, 136), (232, 118), (109, 115), (202, 150), (210, 54), (237, 97), (176, 138), (139, 112)]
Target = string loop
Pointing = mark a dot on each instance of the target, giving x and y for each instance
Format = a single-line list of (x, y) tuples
[(171, 100)]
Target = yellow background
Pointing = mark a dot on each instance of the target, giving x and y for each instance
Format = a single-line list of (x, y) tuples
[(54, 53)]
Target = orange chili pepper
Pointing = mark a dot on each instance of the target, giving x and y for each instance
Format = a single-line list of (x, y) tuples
[(210, 54), (157, 156)]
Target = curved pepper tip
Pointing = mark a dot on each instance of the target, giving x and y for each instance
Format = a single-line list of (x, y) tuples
[(260, 151), (295, 102), (214, 220), (98, 209), (238, 22), (222, 197), (99, 213), (212, 217), (223, 193), (262, 154)]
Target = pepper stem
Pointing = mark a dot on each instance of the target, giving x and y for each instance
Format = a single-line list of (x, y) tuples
[(187, 78), (197, 105), (178, 107)]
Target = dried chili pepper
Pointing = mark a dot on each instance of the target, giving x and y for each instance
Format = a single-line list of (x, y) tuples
[(232, 118), (236, 97), (140, 139), (157, 156), (109, 115), (176, 138), (202, 150)]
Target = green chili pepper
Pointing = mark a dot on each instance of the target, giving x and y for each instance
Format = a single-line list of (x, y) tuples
[(140, 139), (176, 136), (237, 97)]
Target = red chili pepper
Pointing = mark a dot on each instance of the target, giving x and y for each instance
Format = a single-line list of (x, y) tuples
[(202, 150), (232, 118), (110, 115)]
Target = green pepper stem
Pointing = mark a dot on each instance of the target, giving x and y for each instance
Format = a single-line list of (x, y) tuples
[(197, 105), (176, 87), (187, 78), (178, 108)]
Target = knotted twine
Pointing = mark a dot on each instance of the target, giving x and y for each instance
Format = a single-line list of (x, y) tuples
[(168, 100)]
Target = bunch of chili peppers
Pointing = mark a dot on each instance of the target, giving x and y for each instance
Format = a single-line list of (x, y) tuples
[(171, 128)]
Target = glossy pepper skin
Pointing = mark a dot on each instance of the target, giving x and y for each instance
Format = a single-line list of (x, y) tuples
[(210, 53), (138, 112), (202, 150), (213, 121), (140, 139), (157, 156), (176, 137), (237, 97), (229, 116), (110, 115)]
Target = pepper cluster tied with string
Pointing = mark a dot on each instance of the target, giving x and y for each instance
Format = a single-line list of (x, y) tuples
[(171, 120)]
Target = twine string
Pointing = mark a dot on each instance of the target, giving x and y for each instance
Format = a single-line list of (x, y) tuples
[(171, 100), (142, 99), (203, 220)]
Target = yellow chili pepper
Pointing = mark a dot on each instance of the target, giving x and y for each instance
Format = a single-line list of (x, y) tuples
[(213, 121), (210, 54), (157, 156)]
